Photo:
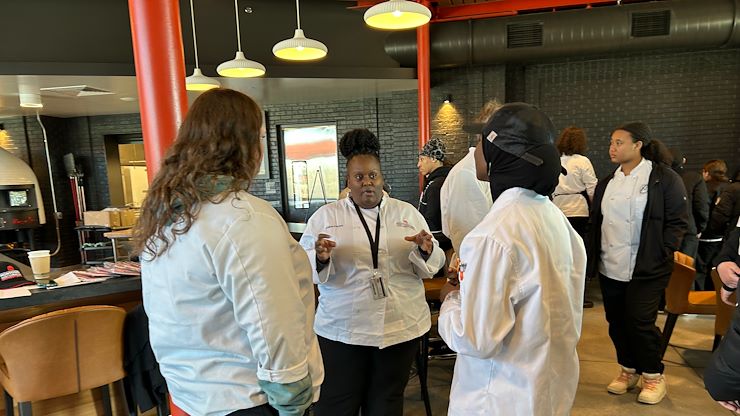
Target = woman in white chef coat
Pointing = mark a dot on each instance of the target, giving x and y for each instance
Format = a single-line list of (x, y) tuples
[(638, 219), (230, 310), (576, 187), (516, 319), (369, 254)]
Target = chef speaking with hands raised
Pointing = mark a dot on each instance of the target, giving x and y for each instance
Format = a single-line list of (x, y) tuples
[(369, 253)]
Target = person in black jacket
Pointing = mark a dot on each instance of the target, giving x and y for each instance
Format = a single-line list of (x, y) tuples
[(638, 220), (431, 166), (698, 203), (726, 212), (722, 376), (710, 241)]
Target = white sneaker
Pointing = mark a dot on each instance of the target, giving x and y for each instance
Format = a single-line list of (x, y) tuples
[(627, 380), (654, 388)]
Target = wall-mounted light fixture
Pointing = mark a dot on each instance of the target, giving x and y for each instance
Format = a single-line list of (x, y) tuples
[(448, 99)]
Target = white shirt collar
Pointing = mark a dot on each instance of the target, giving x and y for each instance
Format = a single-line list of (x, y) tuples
[(639, 168)]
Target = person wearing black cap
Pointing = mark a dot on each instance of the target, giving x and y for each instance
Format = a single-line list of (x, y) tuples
[(638, 219), (515, 317), (431, 166), (369, 253)]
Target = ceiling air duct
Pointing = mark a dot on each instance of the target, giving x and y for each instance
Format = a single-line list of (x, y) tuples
[(673, 24)]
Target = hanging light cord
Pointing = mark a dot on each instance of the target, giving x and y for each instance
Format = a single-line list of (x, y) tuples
[(238, 38), (298, 14), (195, 42), (57, 214)]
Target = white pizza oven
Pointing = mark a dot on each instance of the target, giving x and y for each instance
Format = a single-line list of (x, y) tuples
[(21, 205)]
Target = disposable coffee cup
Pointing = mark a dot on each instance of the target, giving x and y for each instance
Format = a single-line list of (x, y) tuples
[(40, 265)]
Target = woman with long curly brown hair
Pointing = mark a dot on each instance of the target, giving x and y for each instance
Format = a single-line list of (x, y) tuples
[(227, 290)]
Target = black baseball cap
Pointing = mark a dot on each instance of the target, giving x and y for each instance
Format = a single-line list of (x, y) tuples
[(517, 128)]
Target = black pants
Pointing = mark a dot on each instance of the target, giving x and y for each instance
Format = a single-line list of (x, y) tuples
[(704, 258), (368, 378), (264, 410), (580, 224), (631, 310)]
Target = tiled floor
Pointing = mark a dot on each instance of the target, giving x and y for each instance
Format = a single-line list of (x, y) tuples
[(685, 360)]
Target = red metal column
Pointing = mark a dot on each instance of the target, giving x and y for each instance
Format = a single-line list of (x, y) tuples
[(422, 74), (160, 75)]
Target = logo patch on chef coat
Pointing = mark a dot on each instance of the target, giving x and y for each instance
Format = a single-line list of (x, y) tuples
[(405, 224)]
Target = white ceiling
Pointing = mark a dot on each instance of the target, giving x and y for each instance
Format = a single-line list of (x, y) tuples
[(266, 91)]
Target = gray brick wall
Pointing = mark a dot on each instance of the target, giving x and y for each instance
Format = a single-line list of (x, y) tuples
[(690, 99), (392, 117), (469, 88)]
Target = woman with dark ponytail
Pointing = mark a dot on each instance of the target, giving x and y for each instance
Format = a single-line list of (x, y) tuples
[(369, 253), (639, 217)]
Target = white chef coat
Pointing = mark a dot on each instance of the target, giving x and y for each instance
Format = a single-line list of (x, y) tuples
[(463, 200), (623, 207), (347, 312), (580, 177), (516, 321), (229, 303)]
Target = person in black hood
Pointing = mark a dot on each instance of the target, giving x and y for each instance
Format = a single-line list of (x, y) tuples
[(519, 138), (519, 307), (432, 166), (697, 203)]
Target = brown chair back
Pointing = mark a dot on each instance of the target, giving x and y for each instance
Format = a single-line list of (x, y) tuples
[(62, 352), (682, 280), (683, 258), (724, 311)]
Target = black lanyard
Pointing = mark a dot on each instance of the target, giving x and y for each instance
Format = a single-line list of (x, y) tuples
[(374, 245)]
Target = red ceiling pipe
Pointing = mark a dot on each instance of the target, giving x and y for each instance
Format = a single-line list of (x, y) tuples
[(160, 75), (423, 74)]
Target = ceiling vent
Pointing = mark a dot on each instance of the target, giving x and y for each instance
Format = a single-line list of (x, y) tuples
[(75, 91), (647, 24), (523, 35)]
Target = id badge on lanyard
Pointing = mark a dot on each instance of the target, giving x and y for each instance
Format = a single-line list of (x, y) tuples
[(377, 283)]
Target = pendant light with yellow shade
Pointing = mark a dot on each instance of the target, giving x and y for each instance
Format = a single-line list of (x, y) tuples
[(240, 66), (198, 81), (299, 47), (397, 15)]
